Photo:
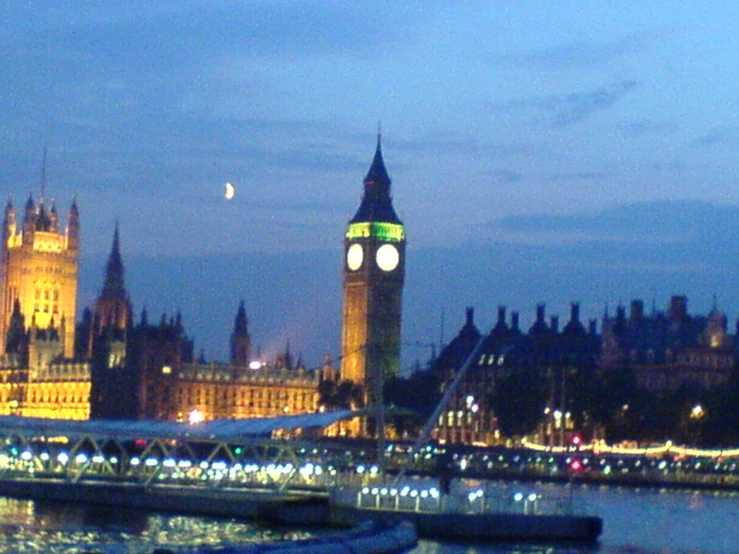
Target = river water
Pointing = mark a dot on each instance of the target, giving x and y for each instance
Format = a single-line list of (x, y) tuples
[(636, 521)]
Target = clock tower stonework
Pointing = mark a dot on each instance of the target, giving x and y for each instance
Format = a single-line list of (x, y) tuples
[(374, 271)]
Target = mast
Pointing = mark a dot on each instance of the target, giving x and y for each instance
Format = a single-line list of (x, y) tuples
[(434, 417)]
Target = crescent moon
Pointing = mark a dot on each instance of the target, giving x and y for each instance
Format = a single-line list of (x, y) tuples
[(230, 191)]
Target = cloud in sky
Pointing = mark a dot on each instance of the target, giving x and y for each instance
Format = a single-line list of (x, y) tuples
[(718, 135), (559, 110), (506, 176), (579, 176), (581, 54), (695, 224), (146, 103), (646, 126)]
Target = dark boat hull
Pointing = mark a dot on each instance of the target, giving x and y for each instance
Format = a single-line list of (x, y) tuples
[(481, 527)]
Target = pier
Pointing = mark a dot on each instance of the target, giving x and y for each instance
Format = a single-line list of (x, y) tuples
[(237, 468)]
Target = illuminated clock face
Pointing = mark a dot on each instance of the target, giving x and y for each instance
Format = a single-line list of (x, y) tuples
[(387, 257), (354, 257)]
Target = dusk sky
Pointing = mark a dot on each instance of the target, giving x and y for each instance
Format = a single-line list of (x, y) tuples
[(499, 119)]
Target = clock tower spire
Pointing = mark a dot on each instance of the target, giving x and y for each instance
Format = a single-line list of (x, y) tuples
[(374, 271)]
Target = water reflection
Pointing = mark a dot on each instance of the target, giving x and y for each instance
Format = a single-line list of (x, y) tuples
[(636, 521), (56, 527)]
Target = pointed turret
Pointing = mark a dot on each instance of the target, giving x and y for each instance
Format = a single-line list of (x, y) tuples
[(377, 205), (53, 218), (73, 226), (300, 364), (288, 357), (240, 321), (114, 287), (9, 222), (43, 221), (113, 308), (16, 341), (29, 220), (240, 340), (30, 208)]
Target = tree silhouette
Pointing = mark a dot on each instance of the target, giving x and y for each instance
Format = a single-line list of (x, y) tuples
[(519, 402)]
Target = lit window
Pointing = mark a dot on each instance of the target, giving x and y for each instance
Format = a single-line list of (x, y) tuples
[(166, 370)]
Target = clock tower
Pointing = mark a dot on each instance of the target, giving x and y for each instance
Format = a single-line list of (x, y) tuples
[(374, 271)]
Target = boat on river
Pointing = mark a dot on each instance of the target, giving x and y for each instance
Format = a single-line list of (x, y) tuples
[(473, 515)]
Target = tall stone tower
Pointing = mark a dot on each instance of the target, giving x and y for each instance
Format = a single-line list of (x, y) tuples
[(39, 269), (113, 389), (374, 271)]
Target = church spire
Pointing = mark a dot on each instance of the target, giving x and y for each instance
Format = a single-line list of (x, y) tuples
[(377, 173), (114, 287), (240, 321), (240, 340), (377, 205), (113, 308)]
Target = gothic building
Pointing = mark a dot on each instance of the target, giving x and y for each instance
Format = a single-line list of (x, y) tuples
[(123, 369), (550, 353), (114, 379), (148, 371), (374, 271), (669, 349), (665, 350)]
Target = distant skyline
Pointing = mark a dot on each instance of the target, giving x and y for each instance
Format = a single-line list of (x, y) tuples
[(504, 125), (649, 251)]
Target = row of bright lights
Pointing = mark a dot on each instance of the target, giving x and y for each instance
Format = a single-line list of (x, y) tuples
[(63, 458), (433, 493), (667, 448)]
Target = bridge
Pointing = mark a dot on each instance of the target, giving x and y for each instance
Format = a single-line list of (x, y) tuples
[(217, 454)]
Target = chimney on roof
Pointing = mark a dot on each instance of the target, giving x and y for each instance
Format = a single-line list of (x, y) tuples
[(678, 308)]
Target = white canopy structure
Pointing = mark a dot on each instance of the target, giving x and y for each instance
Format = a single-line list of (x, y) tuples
[(216, 430)]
